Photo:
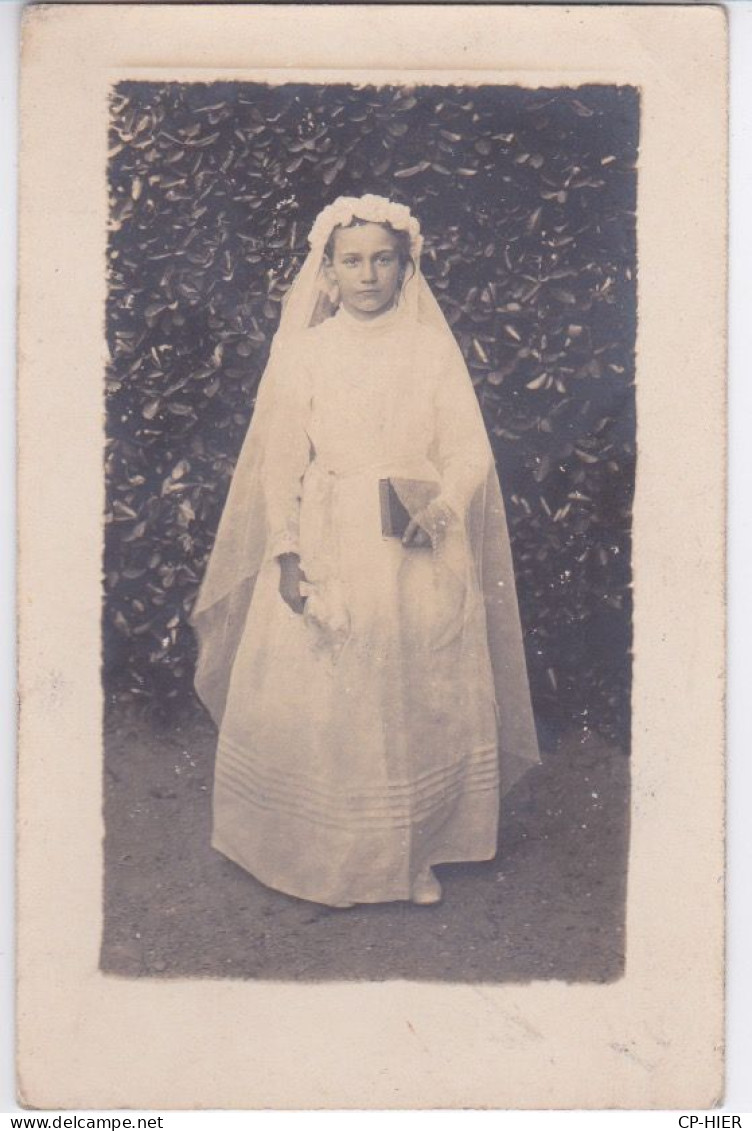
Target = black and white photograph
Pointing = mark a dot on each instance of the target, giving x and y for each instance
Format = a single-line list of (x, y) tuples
[(370, 466), (371, 544)]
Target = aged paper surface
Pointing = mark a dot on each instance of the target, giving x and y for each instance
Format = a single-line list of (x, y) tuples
[(653, 1038)]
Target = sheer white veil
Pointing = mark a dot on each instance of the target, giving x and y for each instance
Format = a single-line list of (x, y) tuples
[(221, 606)]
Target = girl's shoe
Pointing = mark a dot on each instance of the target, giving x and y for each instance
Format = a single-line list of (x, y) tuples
[(426, 889)]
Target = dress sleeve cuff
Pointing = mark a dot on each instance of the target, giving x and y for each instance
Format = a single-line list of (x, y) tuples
[(447, 506), (282, 543)]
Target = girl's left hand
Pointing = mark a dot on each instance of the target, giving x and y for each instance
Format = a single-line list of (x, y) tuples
[(415, 535), (429, 528)]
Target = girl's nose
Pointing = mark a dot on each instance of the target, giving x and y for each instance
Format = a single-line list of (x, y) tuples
[(369, 272)]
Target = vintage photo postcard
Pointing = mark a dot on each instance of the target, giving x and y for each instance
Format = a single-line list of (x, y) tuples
[(371, 525)]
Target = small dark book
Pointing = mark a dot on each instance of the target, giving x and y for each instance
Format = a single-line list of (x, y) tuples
[(395, 517)]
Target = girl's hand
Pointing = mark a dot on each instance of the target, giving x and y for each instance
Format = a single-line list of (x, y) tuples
[(430, 526), (290, 578), (415, 535)]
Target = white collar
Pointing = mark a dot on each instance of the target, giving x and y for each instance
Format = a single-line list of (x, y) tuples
[(390, 318)]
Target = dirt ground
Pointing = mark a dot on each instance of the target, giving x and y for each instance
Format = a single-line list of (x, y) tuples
[(550, 906)]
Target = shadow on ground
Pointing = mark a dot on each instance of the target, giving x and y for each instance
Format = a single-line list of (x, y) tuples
[(551, 906)]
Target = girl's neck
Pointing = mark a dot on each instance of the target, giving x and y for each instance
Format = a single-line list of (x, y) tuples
[(369, 325)]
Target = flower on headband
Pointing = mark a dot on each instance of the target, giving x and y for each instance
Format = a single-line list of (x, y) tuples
[(371, 208)]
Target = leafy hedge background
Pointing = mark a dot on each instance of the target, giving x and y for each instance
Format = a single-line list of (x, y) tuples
[(527, 202)]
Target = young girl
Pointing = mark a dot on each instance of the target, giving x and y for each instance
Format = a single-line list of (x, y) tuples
[(359, 639)]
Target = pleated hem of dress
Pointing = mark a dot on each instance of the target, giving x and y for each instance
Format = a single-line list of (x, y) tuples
[(279, 885)]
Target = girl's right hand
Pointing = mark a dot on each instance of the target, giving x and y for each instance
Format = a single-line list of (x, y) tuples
[(290, 578)]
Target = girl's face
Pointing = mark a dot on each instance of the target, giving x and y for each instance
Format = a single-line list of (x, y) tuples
[(366, 268)]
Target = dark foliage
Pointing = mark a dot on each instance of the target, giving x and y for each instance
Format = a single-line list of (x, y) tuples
[(527, 200)]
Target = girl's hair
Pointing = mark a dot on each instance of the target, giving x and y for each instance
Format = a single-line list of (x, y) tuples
[(401, 238)]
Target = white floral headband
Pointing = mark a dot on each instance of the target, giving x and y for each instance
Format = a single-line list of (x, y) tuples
[(373, 209)]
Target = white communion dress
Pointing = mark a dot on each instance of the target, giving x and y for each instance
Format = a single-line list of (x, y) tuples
[(358, 743)]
